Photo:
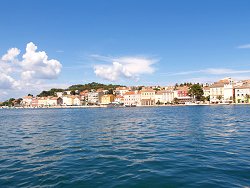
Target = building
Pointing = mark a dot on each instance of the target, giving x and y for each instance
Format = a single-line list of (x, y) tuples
[(107, 99), (67, 92), (206, 91), (147, 97), (222, 91), (159, 97), (34, 102), (119, 99), (132, 98), (183, 100), (84, 97), (181, 91), (67, 100), (27, 101), (94, 97), (242, 94), (181, 94), (121, 90), (54, 101), (42, 101), (76, 100), (229, 91), (168, 96), (59, 94)]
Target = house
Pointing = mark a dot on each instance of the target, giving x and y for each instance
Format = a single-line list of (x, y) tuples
[(84, 96), (67, 100), (59, 94), (242, 94), (107, 99), (76, 100), (54, 101), (119, 99), (42, 101), (27, 101), (159, 97), (181, 94), (206, 91), (132, 98), (181, 91), (121, 90), (68, 92), (34, 102), (94, 97), (147, 97), (222, 91), (167, 96)]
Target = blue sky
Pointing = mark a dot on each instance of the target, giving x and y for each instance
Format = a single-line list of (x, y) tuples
[(168, 41)]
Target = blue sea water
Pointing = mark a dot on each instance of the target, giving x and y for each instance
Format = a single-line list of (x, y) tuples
[(193, 146)]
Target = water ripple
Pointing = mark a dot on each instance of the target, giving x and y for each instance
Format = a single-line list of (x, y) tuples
[(126, 147)]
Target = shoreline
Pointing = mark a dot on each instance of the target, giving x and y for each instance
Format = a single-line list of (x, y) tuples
[(106, 106)]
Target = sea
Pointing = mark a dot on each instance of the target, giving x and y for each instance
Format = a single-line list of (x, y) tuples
[(175, 146)]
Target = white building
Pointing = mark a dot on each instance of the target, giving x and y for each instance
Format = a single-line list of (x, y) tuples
[(95, 97), (132, 98), (27, 101), (54, 101), (121, 91), (42, 101), (59, 94), (206, 91), (222, 91), (76, 100), (242, 94), (119, 99), (159, 97), (168, 96), (67, 100)]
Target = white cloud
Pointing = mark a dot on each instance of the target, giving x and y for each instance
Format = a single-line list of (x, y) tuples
[(213, 71), (11, 54), (31, 69), (7, 82), (244, 46), (225, 71), (36, 64), (123, 67)]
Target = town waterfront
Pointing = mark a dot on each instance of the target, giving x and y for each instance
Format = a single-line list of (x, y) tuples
[(188, 146)]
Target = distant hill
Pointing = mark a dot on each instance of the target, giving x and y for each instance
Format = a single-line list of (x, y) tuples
[(79, 87), (92, 85)]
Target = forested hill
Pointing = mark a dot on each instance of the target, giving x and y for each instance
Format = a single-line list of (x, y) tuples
[(92, 85), (79, 87)]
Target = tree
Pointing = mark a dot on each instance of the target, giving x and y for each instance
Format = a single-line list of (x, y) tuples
[(219, 97), (207, 98), (9, 102), (139, 88), (176, 101), (30, 95), (110, 91), (196, 91), (93, 85), (158, 102), (51, 92), (247, 98)]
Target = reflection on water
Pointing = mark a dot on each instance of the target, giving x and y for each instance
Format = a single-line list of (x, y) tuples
[(199, 146)]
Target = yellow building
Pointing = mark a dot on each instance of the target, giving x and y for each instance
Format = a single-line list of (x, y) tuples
[(107, 99), (147, 97)]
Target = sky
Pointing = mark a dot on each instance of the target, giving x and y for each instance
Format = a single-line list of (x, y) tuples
[(45, 44)]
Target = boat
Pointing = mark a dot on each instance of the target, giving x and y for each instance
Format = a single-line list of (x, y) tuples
[(132, 105)]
